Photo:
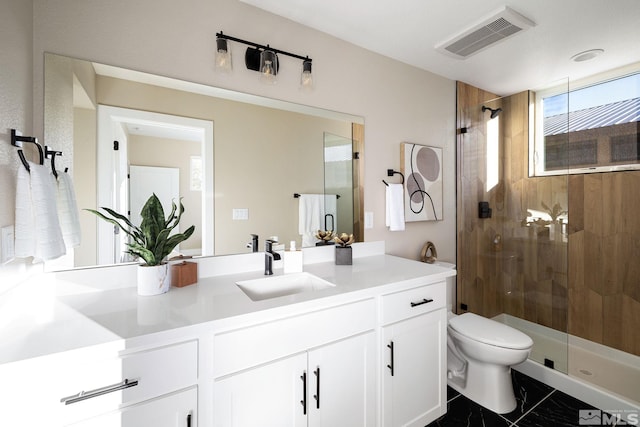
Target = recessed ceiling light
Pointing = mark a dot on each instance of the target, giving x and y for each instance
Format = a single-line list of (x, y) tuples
[(586, 55)]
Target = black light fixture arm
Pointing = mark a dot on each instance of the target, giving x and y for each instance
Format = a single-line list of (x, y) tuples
[(263, 47)]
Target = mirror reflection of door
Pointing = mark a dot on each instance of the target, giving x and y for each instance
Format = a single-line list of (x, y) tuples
[(157, 141), (147, 180), (338, 181)]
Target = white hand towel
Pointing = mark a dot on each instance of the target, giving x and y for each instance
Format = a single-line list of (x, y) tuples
[(25, 236), (310, 217), (36, 209), (49, 241), (68, 211), (395, 207)]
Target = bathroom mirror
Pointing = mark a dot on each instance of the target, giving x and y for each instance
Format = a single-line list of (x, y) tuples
[(241, 160)]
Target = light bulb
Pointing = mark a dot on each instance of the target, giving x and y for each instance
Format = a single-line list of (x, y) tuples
[(306, 78), (268, 67), (223, 56)]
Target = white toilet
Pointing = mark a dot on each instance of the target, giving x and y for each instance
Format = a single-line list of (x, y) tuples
[(480, 353)]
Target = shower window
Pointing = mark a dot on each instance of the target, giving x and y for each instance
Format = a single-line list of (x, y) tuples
[(601, 118)]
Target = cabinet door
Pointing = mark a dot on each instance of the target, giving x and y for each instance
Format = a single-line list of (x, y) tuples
[(175, 410), (269, 395), (414, 382), (342, 383)]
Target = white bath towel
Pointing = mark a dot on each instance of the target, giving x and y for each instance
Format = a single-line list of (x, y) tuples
[(38, 231), (68, 211), (395, 207)]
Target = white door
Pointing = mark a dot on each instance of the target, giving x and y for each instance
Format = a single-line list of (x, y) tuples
[(415, 394), (342, 383), (147, 180), (267, 396)]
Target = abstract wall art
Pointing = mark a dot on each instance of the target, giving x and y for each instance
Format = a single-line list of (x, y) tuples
[(422, 169)]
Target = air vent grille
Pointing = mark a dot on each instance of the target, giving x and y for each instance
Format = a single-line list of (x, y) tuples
[(498, 27)]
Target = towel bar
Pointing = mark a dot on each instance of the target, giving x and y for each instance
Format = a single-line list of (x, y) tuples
[(391, 172)]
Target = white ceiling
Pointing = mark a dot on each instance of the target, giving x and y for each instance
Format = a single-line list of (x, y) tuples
[(409, 30)]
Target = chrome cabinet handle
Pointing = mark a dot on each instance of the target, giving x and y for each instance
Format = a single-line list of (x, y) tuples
[(424, 301), (84, 395), (391, 366), (303, 377), (317, 395)]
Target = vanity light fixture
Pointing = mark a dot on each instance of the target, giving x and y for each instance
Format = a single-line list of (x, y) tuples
[(264, 59)]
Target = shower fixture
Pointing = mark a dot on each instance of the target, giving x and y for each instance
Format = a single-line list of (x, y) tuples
[(494, 113)]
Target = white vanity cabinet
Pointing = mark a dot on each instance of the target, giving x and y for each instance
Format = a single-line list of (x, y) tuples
[(414, 357), (370, 352), (97, 387), (316, 369)]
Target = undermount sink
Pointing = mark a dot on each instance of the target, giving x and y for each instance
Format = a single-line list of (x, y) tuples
[(277, 286)]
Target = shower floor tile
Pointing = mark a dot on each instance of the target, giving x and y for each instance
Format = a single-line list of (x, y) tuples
[(539, 405)]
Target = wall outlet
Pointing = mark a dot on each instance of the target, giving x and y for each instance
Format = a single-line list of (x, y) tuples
[(368, 220), (7, 245), (240, 214)]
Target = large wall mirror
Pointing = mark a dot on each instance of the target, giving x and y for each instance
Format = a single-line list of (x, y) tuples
[(241, 164)]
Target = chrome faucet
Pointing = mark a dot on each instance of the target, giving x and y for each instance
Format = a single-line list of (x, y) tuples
[(269, 257)]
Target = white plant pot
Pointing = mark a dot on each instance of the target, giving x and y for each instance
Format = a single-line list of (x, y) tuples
[(154, 279)]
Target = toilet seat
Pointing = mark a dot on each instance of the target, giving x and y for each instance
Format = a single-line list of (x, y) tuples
[(489, 332)]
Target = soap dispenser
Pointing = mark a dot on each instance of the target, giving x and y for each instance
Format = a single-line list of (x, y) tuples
[(292, 259)]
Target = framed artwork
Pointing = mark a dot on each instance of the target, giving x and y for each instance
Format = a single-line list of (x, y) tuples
[(422, 170)]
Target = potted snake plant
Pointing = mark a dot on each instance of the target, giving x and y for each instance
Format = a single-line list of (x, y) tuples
[(151, 241)]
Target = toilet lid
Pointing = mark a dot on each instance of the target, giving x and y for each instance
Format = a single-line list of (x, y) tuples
[(489, 331)]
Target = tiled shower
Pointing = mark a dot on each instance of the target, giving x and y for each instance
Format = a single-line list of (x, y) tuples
[(558, 255)]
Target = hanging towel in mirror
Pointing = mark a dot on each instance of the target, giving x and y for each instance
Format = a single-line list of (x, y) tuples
[(310, 217), (395, 207), (68, 211)]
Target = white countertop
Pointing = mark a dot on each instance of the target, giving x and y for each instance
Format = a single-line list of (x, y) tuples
[(57, 312)]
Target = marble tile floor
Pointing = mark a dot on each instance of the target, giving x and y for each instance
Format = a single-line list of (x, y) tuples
[(539, 405)]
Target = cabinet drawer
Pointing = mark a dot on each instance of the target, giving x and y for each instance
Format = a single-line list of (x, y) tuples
[(254, 345), (67, 388), (175, 410), (412, 302)]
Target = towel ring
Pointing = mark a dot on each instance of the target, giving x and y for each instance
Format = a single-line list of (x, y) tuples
[(17, 140), (391, 172)]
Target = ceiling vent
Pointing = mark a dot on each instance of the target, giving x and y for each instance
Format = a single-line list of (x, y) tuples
[(499, 26)]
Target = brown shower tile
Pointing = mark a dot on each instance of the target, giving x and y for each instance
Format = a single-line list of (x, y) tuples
[(593, 204), (576, 203)]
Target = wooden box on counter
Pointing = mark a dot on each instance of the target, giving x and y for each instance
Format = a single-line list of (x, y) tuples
[(184, 273)]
